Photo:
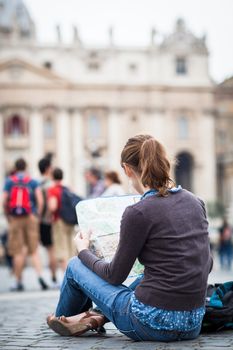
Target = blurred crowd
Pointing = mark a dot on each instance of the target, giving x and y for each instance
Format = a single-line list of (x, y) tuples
[(43, 213)]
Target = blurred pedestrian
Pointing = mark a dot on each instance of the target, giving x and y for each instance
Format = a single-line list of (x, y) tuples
[(63, 233), (46, 238), (95, 182), (112, 184), (225, 245), (8, 258), (5, 235), (22, 201)]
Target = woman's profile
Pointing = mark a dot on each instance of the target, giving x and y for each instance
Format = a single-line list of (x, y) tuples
[(167, 230)]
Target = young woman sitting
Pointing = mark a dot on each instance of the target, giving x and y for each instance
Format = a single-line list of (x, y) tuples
[(167, 231)]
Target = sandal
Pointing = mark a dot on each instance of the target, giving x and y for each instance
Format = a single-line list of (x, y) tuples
[(89, 320)]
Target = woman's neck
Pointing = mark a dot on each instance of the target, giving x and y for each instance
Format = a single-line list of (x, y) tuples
[(143, 189)]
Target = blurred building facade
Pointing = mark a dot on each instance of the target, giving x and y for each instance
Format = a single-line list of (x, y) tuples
[(82, 103), (224, 143)]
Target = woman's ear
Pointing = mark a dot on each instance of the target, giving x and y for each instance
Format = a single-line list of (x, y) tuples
[(128, 170)]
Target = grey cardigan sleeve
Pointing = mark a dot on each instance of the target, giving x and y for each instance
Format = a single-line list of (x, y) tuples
[(133, 234)]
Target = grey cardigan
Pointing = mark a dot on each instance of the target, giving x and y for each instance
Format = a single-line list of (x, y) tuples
[(169, 236)]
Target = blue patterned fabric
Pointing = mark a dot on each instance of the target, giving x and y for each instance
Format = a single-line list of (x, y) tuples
[(168, 320), (160, 319)]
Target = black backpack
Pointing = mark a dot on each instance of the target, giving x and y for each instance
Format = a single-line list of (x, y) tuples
[(219, 307), (69, 200)]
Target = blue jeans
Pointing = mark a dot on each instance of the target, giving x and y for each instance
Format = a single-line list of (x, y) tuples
[(226, 255), (80, 284)]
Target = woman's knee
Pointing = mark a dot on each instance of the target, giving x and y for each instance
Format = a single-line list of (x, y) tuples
[(73, 264)]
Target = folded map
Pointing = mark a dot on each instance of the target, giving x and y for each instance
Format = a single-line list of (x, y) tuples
[(102, 216)]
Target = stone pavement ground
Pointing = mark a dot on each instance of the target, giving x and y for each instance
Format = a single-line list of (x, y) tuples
[(23, 326)]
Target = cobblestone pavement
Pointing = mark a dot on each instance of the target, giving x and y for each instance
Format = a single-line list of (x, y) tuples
[(23, 326)]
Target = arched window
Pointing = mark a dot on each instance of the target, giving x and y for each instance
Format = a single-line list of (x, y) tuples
[(184, 170), (15, 126), (48, 128), (183, 127), (181, 66)]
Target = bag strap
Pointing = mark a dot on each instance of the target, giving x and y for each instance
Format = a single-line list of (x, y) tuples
[(24, 180)]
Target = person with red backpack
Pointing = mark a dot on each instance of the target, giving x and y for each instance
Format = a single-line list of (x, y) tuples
[(63, 231), (23, 201)]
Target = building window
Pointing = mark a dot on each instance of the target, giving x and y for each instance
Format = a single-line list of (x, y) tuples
[(15, 126), (133, 67), (94, 127), (48, 128), (184, 170), (48, 65), (134, 118), (183, 128), (181, 66), (93, 54), (94, 66)]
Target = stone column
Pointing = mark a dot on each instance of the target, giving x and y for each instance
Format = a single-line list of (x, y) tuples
[(64, 144), (78, 154), (2, 163), (205, 183), (115, 139), (157, 125), (36, 149), (118, 135)]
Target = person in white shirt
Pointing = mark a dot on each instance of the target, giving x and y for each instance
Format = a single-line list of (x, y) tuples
[(112, 185)]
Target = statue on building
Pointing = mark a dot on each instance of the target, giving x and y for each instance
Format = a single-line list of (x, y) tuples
[(15, 21), (76, 37)]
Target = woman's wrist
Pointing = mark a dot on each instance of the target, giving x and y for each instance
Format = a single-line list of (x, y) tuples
[(82, 249)]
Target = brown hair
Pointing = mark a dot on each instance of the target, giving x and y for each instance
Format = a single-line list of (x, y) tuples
[(20, 164), (57, 174), (148, 158), (113, 176)]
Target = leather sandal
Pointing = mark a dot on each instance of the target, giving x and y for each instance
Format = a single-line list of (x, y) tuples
[(89, 320)]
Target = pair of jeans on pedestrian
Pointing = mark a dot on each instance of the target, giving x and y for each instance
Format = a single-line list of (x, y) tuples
[(80, 285), (226, 255)]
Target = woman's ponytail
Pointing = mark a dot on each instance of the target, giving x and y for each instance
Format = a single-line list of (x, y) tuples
[(148, 158), (154, 166)]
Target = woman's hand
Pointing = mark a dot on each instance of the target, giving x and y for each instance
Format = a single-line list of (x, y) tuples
[(82, 241)]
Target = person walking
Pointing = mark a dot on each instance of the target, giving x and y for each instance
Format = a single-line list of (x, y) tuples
[(112, 184), (46, 238), (96, 184), (225, 245), (167, 230), (22, 201), (63, 233)]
